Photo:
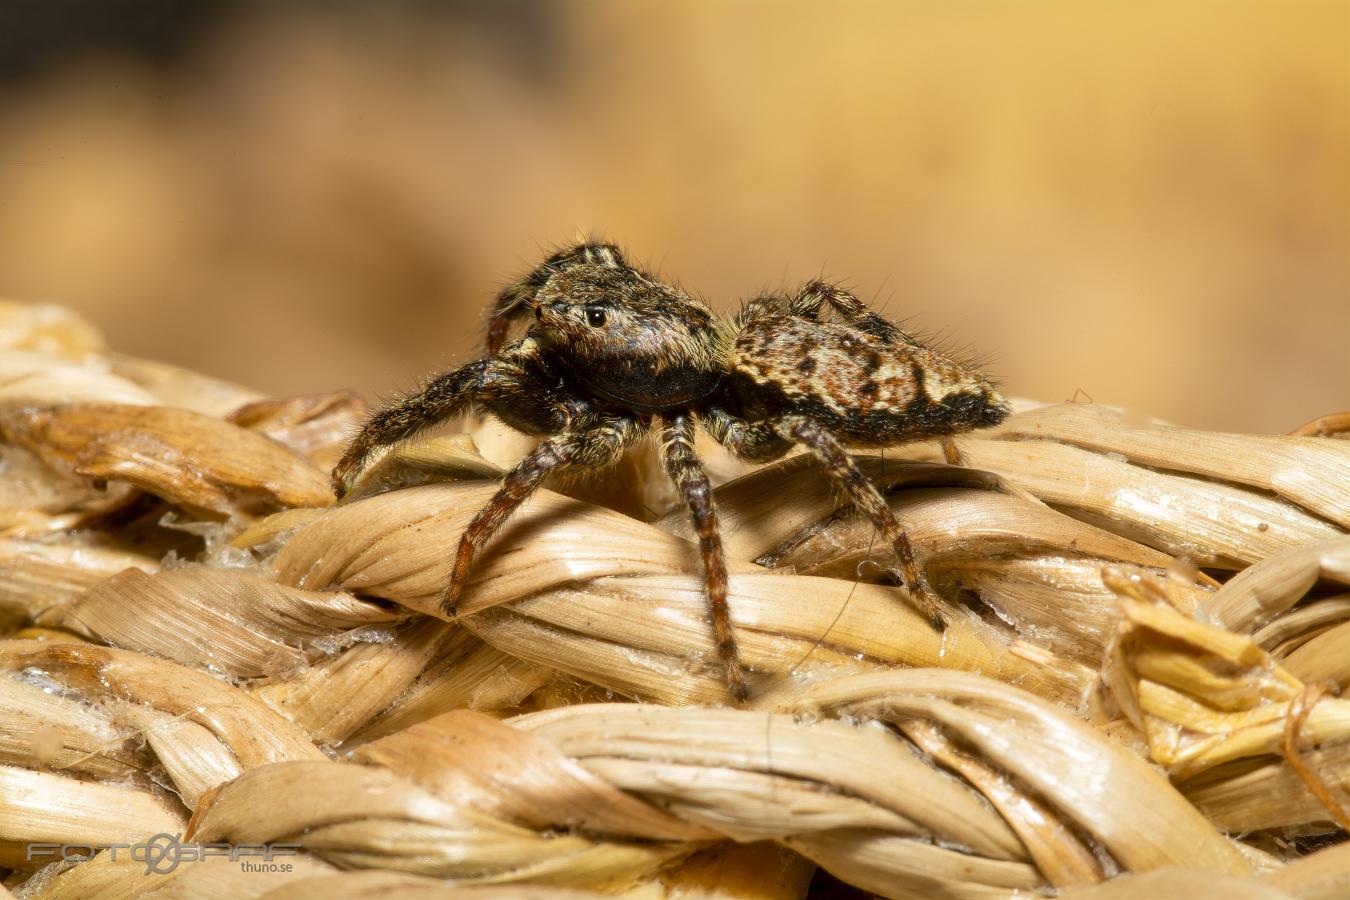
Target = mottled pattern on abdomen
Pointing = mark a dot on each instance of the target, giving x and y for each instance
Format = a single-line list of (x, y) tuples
[(868, 389)]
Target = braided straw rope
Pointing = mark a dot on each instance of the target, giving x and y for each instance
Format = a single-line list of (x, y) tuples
[(1136, 696)]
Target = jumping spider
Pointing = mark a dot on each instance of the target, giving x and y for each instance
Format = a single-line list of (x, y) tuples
[(614, 353)]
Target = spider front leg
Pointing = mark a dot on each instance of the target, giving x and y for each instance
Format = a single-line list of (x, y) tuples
[(445, 396), (599, 445), (684, 468)]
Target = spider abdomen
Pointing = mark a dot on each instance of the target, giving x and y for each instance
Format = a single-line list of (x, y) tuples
[(870, 389)]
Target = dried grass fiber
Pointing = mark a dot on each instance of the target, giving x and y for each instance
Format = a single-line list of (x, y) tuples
[(1137, 695)]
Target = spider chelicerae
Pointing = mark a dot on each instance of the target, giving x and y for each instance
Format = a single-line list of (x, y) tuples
[(614, 353)]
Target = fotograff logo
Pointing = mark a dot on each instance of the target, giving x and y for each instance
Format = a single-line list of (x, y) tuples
[(163, 852)]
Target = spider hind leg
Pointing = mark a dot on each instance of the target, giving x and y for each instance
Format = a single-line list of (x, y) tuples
[(814, 295), (769, 439), (865, 496)]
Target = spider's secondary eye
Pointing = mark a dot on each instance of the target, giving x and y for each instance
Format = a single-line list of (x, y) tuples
[(595, 316)]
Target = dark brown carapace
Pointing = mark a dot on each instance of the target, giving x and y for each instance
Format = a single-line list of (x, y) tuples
[(613, 353)]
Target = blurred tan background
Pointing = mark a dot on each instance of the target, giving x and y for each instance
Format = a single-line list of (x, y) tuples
[(1144, 203)]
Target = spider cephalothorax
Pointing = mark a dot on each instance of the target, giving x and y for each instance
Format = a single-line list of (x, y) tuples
[(613, 353), (629, 340)]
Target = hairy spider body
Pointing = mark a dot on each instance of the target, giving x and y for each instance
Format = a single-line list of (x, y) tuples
[(614, 353)]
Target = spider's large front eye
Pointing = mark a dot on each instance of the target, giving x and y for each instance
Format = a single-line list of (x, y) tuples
[(595, 316)]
